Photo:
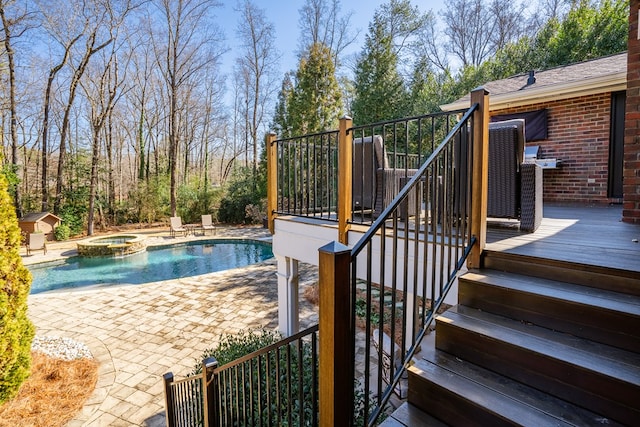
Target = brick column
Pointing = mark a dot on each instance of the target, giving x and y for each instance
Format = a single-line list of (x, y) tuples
[(631, 183)]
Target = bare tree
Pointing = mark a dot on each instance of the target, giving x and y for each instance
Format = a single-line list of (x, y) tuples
[(14, 25), (102, 90), (468, 28), (510, 22), (475, 30), (190, 42), (67, 45), (320, 22), (429, 47), (256, 66), (95, 18)]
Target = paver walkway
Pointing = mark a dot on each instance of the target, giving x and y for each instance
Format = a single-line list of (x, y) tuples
[(140, 332)]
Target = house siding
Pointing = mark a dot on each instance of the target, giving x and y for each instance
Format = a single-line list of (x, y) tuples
[(578, 135), (631, 178)]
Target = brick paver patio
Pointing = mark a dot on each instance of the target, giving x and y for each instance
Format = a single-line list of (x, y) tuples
[(138, 333)]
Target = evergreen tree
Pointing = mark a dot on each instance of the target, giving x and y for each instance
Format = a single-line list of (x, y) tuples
[(280, 124), (16, 330), (429, 89), (588, 31), (380, 93), (316, 102)]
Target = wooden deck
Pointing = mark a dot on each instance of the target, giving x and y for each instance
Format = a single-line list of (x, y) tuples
[(583, 234)]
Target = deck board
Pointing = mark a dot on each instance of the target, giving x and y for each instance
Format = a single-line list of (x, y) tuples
[(582, 234)]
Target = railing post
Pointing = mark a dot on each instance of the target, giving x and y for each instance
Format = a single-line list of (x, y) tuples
[(345, 177), (168, 400), (480, 177), (209, 395), (336, 371), (272, 179)]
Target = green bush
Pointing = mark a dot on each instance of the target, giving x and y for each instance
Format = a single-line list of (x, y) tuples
[(235, 346), (194, 201), (149, 201), (62, 232), (241, 192), (74, 209), (292, 367), (15, 283)]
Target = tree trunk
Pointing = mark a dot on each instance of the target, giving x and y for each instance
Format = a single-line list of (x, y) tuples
[(95, 158), (6, 24), (75, 80), (45, 124)]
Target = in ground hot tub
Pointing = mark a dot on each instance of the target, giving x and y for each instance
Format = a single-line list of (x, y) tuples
[(116, 245)]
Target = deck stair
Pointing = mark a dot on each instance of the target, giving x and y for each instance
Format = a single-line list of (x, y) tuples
[(532, 342)]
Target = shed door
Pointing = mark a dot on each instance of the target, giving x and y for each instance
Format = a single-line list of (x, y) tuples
[(616, 145)]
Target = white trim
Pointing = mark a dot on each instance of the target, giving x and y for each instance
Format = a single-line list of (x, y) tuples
[(573, 89)]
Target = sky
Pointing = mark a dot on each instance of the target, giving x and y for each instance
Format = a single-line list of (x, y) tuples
[(284, 15)]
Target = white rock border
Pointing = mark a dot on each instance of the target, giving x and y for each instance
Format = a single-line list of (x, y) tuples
[(60, 348)]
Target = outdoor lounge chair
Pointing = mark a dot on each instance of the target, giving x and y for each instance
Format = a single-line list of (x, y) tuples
[(514, 187), (176, 226), (207, 223), (37, 241), (375, 183)]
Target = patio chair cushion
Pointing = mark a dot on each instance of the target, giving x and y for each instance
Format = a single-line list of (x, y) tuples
[(37, 241), (375, 183)]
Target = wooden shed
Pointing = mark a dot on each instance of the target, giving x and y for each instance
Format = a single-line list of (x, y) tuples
[(39, 222)]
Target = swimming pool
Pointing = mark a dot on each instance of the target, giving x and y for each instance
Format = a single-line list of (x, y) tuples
[(154, 264)]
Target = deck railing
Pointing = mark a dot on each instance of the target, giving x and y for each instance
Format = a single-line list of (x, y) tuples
[(383, 293), (404, 266), (307, 166), (274, 386), (407, 143), (307, 175), (390, 285)]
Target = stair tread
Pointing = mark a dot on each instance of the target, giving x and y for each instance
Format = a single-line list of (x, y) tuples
[(560, 290), (588, 263), (624, 278), (411, 416), (590, 355), (500, 394)]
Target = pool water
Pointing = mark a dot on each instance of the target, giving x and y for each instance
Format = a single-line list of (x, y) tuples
[(154, 264)]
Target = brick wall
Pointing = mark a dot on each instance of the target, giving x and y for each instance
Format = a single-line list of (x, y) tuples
[(578, 134), (631, 185)]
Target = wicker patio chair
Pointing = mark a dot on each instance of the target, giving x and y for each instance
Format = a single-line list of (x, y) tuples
[(375, 183), (514, 187)]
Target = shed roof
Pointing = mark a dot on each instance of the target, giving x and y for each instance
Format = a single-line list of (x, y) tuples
[(606, 74), (38, 216)]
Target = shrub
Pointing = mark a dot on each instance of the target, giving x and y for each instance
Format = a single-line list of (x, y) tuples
[(255, 381), (15, 283), (74, 210), (149, 201), (62, 232), (234, 346), (242, 191), (194, 201), (283, 366)]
